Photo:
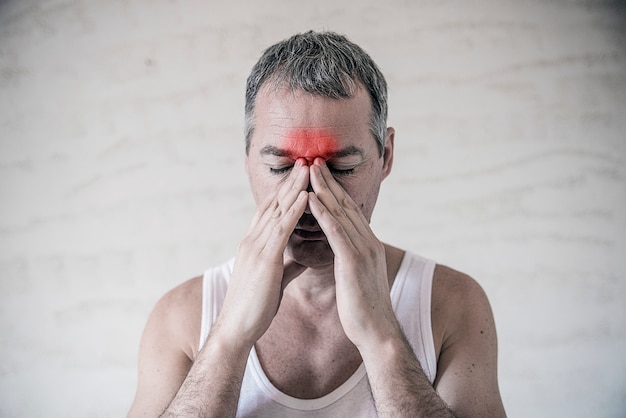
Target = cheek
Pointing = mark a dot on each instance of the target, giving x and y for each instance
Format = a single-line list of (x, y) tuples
[(363, 190), (261, 184)]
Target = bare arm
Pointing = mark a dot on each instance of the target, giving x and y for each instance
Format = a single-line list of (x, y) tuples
[(466, 384), (167, 348), (212, 386), (399, 385), (169, 385), (166, 370), (467, 369)]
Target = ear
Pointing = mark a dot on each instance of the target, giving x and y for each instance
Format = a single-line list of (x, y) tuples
[(388, 152)]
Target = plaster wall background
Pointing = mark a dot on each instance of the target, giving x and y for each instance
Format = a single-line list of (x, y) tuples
[(121, 175)]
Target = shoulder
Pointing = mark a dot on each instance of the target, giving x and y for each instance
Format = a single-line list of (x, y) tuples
[(188, 291), (459, 305), (450, 285), (466, 344), (177, 316)]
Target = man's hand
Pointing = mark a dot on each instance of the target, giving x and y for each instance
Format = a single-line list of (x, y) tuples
[(399, 385), (362, 287), (259, 274)]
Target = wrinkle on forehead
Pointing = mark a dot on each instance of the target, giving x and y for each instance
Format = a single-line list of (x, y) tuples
[(324, 123), (283, 108)]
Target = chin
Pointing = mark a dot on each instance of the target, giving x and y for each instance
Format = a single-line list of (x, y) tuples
[(312, 254)]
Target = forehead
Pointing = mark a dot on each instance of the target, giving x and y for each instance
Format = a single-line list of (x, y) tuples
[(282, 113)]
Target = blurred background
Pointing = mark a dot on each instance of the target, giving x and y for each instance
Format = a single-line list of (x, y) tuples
[(121, 175)]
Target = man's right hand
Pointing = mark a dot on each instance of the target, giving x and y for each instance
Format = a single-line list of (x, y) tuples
[(209, 384), (260, 273)]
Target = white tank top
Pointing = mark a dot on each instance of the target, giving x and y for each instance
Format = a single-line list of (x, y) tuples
[(411, 298)]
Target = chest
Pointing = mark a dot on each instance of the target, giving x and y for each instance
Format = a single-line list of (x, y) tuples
[(307, 362)]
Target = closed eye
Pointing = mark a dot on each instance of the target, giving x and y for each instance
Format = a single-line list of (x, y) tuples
[(338, 172), (281, 170), (334, 171)]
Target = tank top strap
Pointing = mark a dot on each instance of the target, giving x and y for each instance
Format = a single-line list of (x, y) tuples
[(214, 286), (411, 295)]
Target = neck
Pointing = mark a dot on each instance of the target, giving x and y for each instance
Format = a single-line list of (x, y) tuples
[(315, 286)]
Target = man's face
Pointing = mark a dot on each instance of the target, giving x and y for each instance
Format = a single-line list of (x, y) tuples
[(295, 124)]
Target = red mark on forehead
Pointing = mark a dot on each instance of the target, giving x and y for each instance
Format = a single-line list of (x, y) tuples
[(310, 143)]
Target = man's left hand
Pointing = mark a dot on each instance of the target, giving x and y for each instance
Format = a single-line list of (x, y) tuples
[(362, 287)]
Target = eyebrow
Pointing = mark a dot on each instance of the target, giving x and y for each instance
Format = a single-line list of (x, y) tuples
[(280, 152)]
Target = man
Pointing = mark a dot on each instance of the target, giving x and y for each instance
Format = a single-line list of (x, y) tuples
[(315, 316)]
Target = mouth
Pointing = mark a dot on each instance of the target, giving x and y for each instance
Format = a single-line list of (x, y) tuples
[(308, 229), (308, 234)]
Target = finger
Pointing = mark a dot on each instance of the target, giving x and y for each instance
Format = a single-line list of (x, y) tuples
[(336, 232), (276, 206), (344, 200), (297, 180), (287, 193), (324, 192), (335, 199), (275, 234), (281, 216)]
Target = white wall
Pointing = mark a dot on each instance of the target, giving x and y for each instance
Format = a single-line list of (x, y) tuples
[(121, 175)]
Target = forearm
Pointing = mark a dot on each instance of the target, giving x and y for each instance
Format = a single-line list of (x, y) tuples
[(399, 386), (212, 386)]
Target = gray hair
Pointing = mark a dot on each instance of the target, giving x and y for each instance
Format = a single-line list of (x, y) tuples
[(320, 63)]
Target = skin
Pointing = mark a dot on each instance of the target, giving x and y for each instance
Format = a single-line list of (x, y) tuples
[(310, 286), (309, 144)]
